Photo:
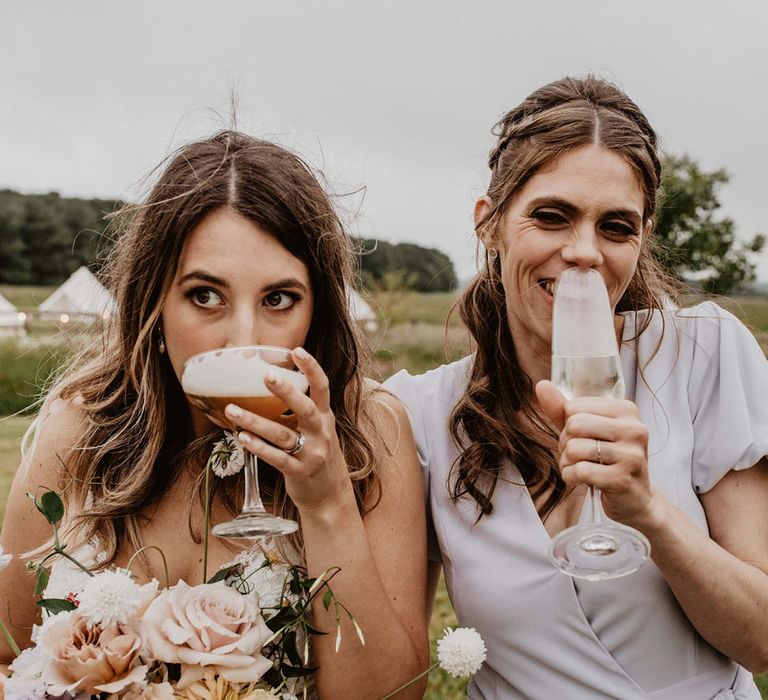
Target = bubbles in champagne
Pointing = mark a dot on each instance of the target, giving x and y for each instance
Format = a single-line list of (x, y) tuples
[(588, 376)]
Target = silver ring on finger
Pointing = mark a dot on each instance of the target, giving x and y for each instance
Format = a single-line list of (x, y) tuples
[(298, 446), (598, 452)]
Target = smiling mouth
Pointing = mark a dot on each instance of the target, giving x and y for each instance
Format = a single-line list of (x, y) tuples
[(548, 285)]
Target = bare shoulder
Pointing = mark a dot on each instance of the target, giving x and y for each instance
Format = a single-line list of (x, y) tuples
[(387, 416), (51, 439)]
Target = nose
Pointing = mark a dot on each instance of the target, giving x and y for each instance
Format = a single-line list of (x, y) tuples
[(243, 329), (583, 249)]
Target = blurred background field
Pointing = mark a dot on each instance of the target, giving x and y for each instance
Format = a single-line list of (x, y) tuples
[(412, 334)]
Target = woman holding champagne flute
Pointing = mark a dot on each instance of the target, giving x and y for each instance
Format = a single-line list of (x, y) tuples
[(680, 460), (236, 245)]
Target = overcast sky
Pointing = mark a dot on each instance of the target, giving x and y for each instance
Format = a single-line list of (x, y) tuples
[(397, 96)]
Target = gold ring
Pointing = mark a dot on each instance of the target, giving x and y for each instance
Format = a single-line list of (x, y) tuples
[(599, 452)]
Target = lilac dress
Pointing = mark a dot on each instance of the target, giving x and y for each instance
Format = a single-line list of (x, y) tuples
[(703, 399)]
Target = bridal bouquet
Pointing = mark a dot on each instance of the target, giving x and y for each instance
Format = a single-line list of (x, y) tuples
[(118, 639)]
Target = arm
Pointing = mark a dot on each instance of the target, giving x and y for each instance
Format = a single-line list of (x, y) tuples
[(720, 580), (382, 556), (24, 528)]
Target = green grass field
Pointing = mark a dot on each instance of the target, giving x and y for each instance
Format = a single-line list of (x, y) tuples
[(413, 335)]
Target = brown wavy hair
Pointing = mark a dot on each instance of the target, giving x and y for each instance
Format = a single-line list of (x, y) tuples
[(137, 432), (495, 419)]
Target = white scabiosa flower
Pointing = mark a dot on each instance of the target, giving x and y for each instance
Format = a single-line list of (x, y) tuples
[(5, 559), (109, 597), (227, 456), (461, 652)]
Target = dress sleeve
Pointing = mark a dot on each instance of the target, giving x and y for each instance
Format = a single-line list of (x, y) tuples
[(405, 387), (728, 394)]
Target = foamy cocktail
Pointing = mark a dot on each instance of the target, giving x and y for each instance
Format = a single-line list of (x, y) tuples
[(214, 379)]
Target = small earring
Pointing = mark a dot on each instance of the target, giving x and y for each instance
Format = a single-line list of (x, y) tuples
[(493, 253), (160, 341)]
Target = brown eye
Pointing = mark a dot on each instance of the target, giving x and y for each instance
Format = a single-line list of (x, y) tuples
[(280, 301), (619, 229), (549, 217), (205, 297)]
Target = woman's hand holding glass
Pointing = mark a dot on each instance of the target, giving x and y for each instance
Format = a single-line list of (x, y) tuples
[(315, 475), (620, 468)]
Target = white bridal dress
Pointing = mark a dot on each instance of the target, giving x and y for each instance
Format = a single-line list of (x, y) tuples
[(703, 397), (66, 578)]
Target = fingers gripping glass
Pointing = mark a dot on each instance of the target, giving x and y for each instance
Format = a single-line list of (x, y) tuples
[(585, 362), (214, 379)]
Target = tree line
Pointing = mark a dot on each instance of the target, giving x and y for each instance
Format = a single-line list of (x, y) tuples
[(45, 237)]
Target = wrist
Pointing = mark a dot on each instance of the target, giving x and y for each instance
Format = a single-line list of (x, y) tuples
[(655, 516), (330, 513)]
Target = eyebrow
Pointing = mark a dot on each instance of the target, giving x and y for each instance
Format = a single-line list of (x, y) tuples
[(566, 206), (290, 282)]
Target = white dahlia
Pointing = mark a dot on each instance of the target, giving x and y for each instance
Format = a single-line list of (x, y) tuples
[(461, 652)]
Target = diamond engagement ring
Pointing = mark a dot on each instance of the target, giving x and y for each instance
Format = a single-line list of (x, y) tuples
[(299, 446)]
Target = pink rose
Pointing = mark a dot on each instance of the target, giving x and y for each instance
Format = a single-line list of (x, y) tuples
[(208, 628), (89, 659), (152, 691)]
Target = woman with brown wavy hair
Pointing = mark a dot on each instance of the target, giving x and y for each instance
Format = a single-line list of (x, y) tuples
[(575, 178), (236, 244)]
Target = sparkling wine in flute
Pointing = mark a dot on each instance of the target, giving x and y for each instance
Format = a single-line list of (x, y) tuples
[(212, 380), (585, 362)]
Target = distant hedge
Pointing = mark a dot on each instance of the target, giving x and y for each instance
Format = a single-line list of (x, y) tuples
[(44, 238)]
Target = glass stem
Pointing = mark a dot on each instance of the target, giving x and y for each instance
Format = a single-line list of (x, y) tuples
[(252, 500), (597, 515)]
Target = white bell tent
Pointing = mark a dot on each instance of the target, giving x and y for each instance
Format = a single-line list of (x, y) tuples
[(81, 298), (11, 319), (361, 311)]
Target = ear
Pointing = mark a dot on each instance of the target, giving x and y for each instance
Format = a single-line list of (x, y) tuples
[(483, 209), (648, 229)]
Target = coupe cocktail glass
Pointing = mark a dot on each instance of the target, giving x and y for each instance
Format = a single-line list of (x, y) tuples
[(214, 379)]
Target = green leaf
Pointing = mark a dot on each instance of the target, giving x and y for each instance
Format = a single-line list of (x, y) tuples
[(273, 677), (42, 580), (327, 598), (295, 584), (312, 630), (283, 617), (56, 605), (290, 649), (292, 672), (51, 507), (223, 574)]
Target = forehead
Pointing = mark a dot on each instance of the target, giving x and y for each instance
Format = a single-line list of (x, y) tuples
[(588, 174), (225, 239)]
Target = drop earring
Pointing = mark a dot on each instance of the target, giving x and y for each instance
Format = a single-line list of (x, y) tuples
[(160, 341)]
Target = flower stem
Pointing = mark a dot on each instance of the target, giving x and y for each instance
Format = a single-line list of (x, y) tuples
[(207, 517), (165, 562), (410, 682), (8, 638), (60, 550)]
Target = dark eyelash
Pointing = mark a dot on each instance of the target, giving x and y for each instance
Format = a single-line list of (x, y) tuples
[(622, 228), (548, 216)]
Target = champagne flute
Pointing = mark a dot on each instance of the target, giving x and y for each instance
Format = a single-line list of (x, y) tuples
[(585, 362), (214, 379)]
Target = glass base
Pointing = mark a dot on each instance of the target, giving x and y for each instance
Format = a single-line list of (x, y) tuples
[(255, 525), (599, 552)]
